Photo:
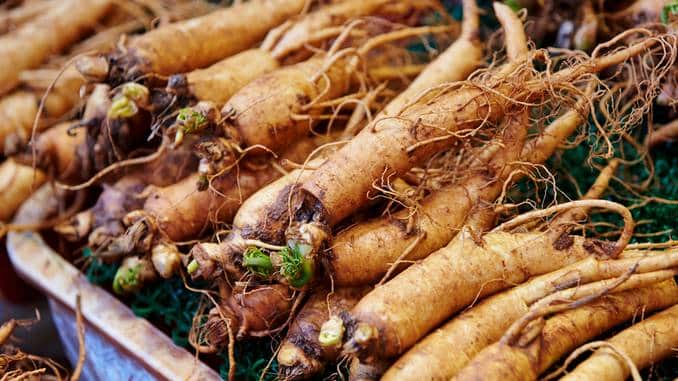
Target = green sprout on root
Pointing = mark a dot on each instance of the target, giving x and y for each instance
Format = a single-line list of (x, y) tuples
[(189, 121), (193, 266), (122, 108), (136, 92), (257, 262), (296, 267), (331, 332), (670, 8), (513, 4), (126, 279)]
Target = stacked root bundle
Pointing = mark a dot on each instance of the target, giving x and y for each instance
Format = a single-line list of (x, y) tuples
[(47, 90), (240, 149), (367, 182)]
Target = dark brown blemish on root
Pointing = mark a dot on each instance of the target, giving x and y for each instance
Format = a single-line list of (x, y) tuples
[(178, 84), (310, 348), (599, 248), (303, 99), (272, 229), (401, 226), (125, 66), (564, 241)]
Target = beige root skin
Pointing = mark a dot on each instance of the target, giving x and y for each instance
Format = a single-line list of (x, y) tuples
[(6, 330), (20, 108), (178, 212), (301, 356), (15, 17), (516, 40), (35, 41), (181, 211), (307, 28), (166, 260), (390, 236), (448, 66), (585, 37), (17, 182), (400, 322), (265, 215), (267, 206), (17, 111), (56, 151), (263, 111), (644, 343), (220, 81), (664, 134), (360, 371), (564, 332), (189, 45), (97, 106), (370, 145), (465, 55)]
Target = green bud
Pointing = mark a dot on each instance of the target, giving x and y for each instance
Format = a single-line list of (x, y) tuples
[(513, 4), (126, 279), (296, 267), (136, 92), (190, 120), (121, 108), (671, 8), (257, 262), (193, 266), (331, 332)]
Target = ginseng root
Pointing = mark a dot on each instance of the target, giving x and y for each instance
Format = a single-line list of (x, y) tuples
[(187, 45), (179, 211), (536, 352), (17, 183), (485, 323), (664, 134), (391, 325), (251, 311), (644, 344), (302, 353), (53, 31), (220, 81)]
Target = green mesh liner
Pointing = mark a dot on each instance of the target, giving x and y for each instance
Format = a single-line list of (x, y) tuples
[(251, 359), (166, 303), (654, 216), (169, 302), (98, 272)]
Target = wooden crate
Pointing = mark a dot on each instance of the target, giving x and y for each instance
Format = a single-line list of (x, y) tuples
[(120, 345)]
